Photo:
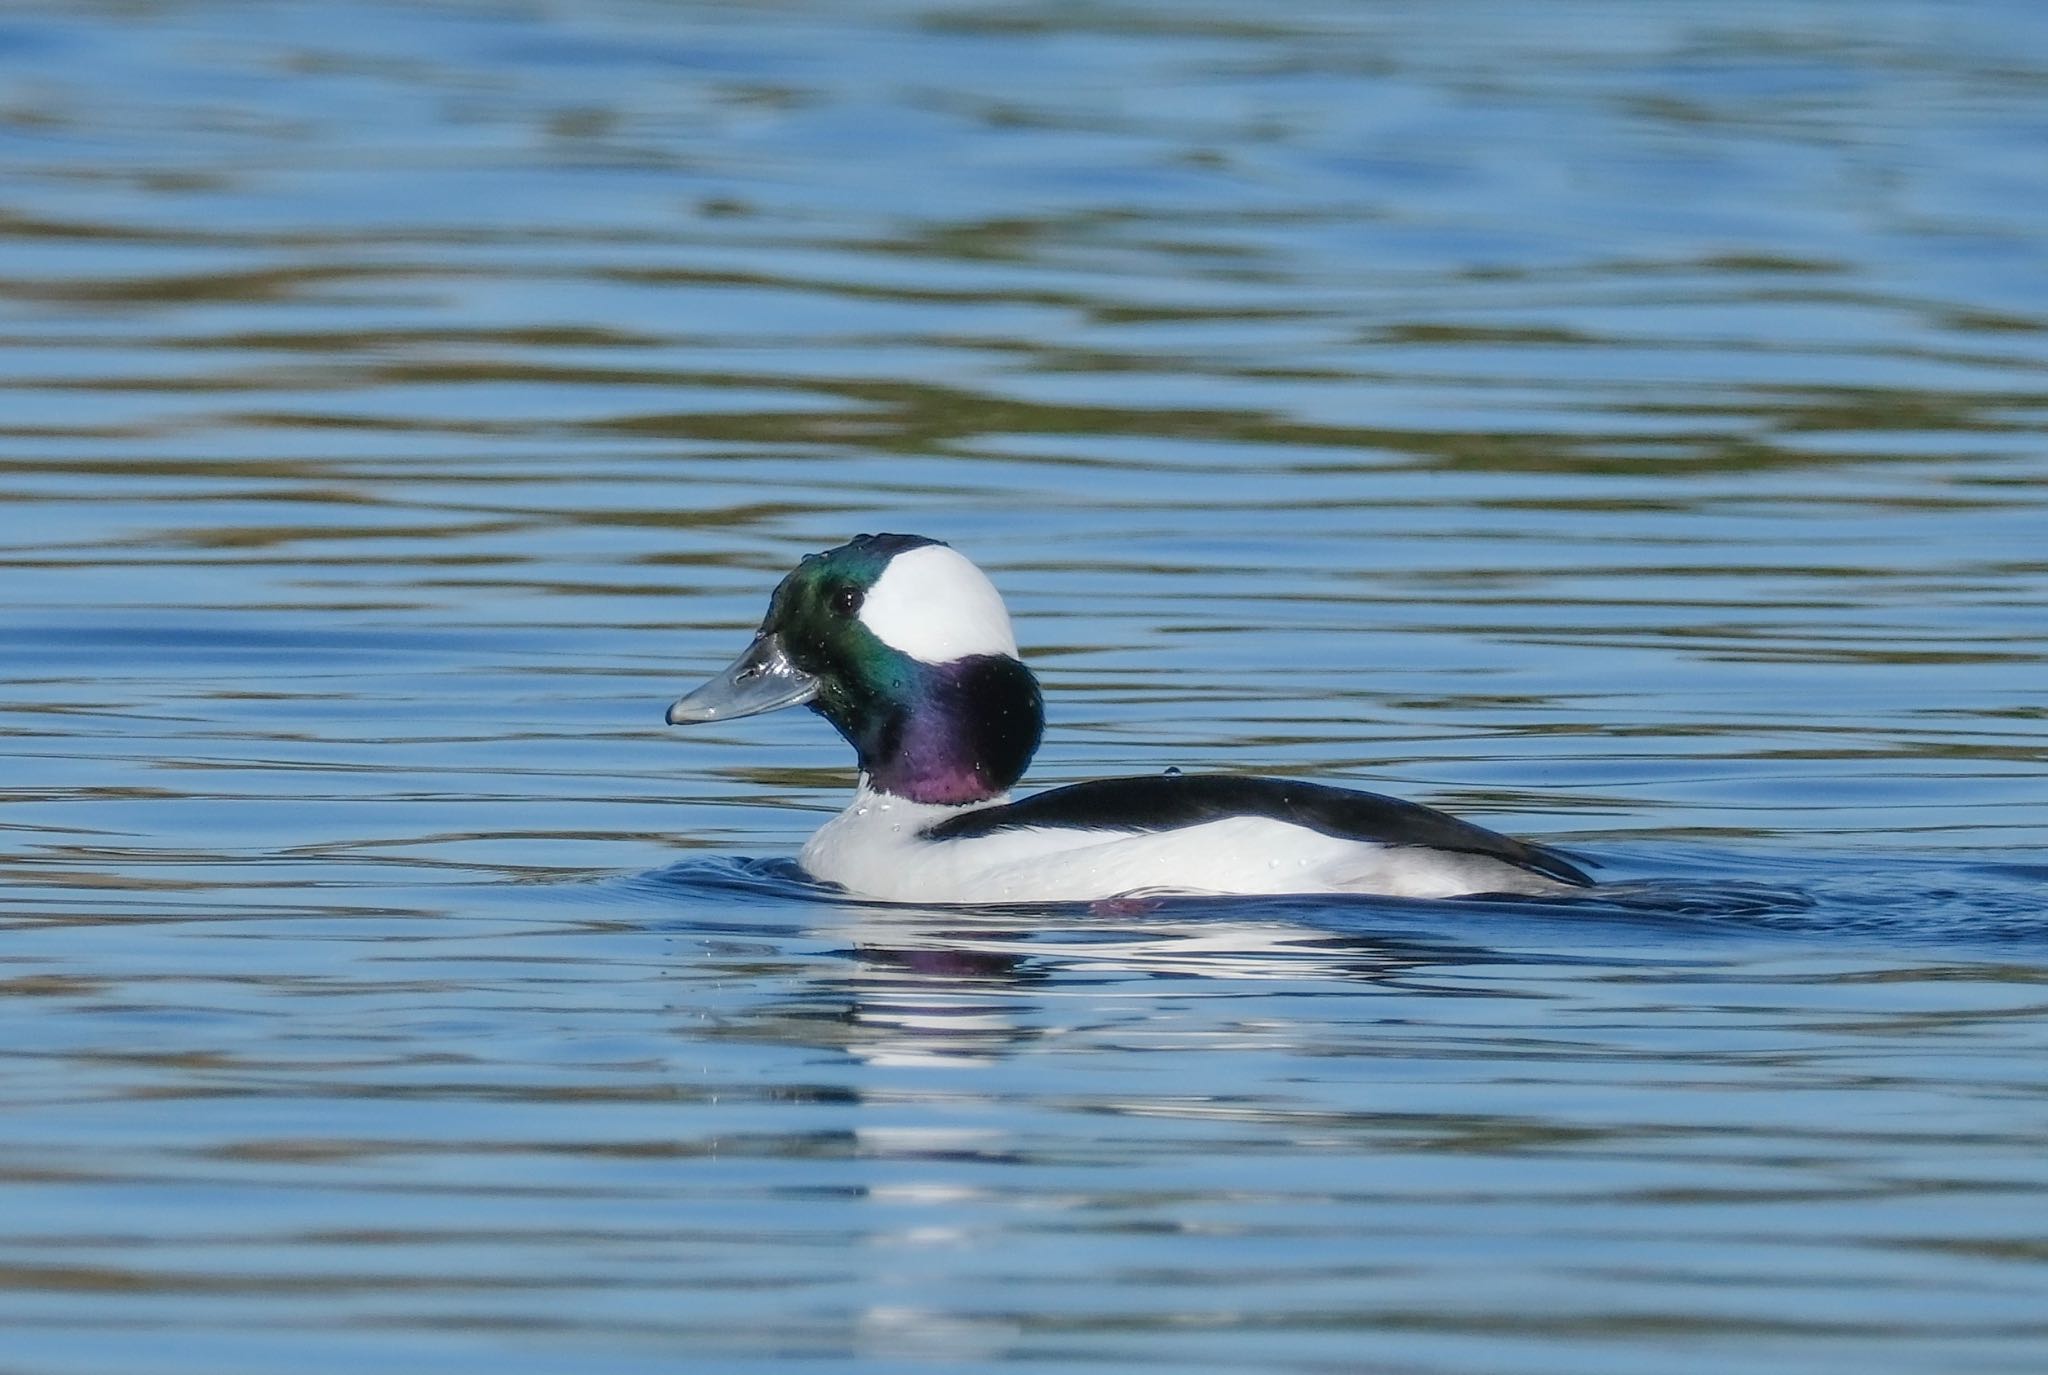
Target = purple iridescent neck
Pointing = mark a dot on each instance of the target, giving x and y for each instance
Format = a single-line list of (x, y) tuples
[(963, 732)]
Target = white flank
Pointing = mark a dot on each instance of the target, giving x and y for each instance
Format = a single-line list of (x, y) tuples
[(936, 606), (875, 849)]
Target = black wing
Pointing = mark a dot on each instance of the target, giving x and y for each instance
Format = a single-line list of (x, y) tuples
[(1167, 802)]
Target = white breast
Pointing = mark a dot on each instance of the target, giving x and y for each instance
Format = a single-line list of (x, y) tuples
[(875, 849)]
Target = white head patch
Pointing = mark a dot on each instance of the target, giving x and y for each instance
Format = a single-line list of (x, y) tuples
[(934, 605)]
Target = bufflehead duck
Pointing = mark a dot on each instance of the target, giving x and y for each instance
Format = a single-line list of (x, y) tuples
[(906, 648)]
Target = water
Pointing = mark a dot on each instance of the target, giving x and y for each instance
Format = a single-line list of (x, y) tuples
[(1619, 423)]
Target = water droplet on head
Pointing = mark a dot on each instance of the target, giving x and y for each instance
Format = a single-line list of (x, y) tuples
[(1173, 771)]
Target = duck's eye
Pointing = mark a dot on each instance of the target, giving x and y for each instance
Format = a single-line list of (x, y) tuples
[(846, 600)]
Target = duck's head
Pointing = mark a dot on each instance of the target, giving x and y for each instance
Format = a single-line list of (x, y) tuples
[(906, 648)]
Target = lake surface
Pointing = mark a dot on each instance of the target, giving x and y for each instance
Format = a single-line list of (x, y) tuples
[(1621, 424)]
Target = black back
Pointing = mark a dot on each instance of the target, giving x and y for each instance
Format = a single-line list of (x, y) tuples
[(1167, 802)]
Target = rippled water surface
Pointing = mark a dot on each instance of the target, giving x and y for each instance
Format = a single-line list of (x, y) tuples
[(1620, 423)]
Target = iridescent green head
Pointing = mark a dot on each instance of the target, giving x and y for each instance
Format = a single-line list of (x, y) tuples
[(906, 648)]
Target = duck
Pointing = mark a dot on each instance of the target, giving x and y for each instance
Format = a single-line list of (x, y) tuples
[(906, 648)]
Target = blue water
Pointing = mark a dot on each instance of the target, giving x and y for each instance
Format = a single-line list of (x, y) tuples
[(1621, 424)]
